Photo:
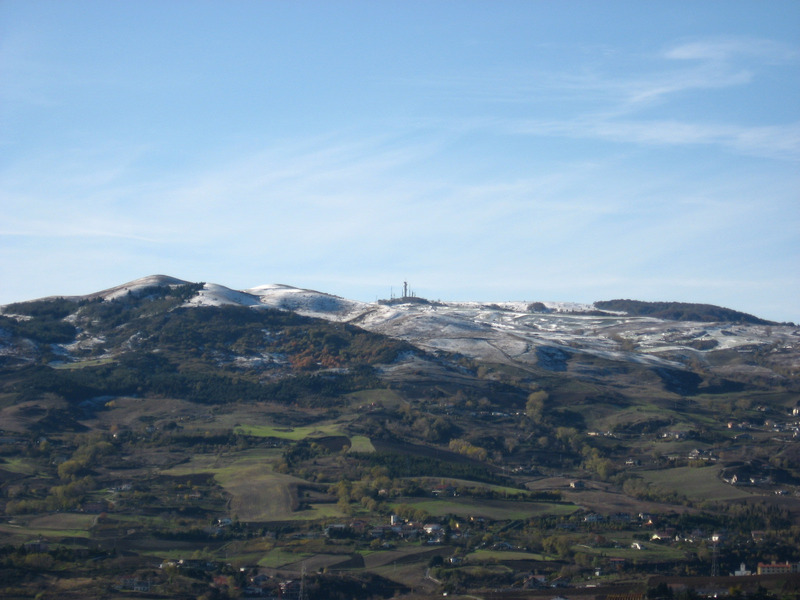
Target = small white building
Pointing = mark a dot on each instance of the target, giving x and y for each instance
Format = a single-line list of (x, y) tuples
[(431, 528)]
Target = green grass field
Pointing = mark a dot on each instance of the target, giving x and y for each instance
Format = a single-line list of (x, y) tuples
[(695, 483), (360, 443), (484, 555), (62, 521), (290, 433), (85, 363), (277, 558), (471, 484), (37, 532), (492, 509), (649, 551), (52, 526), (19, 465), (259, 493), (317, 511), (404, 554)]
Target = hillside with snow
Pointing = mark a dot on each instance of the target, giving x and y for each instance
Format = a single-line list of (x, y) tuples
[(508, 332), (555, 336)]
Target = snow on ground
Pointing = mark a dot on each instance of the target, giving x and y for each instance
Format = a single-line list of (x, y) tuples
[(502, 331), (136, 285), (283, 297), (83, 343), (309, 303), (218, 295), (122, 290)]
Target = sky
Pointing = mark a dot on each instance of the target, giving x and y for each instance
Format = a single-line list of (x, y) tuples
[(505, 150)]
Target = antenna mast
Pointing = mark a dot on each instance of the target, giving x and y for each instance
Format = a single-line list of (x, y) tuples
[(715, 556)]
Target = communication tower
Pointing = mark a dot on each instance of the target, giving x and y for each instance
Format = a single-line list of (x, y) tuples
[(715, 556)]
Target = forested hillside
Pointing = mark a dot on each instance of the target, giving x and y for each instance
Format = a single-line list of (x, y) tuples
[(680, 311)]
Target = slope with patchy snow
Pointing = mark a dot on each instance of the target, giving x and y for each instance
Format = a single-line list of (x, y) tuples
[(506, 332)]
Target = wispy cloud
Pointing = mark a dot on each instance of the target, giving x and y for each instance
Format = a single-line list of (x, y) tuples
[(600, 103), (726, 48), (84, 227), (716, 63), (659, 86), (773, 141)]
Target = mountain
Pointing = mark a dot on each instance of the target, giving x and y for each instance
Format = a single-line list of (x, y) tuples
[(540, 427), (614, 344), (546, 335)]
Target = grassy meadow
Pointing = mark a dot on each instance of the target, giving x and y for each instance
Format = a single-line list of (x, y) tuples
[(695, 483)]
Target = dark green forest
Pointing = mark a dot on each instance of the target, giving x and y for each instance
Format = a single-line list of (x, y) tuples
[(680, 311)]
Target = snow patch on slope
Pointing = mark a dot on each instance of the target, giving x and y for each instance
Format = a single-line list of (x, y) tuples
[(309, 303), (213, 294), (136, 285), (500, 332)]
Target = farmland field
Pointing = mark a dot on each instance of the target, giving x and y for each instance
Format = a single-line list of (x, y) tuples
[(696, 483), (259, 493), (316, 561), (406, 555), (649, 551), (470, 484), (277, 558), (317, 511), (481, 555), (492, 509), (382, 396), (18, 465), (290, 433), (62, 521), (49, 526), (360, 443)]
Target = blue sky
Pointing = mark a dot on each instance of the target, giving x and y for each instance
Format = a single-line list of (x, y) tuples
[(493, 151)]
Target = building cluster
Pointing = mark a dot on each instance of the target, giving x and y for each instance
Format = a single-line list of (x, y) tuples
[(248, 581), (135, 584), (769, 426), (778, 568), (397, 528)]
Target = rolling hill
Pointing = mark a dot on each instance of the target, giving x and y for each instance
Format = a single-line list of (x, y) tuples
[(172, 404)]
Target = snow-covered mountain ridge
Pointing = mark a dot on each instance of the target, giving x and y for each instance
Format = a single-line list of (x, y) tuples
[(509, 333)]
